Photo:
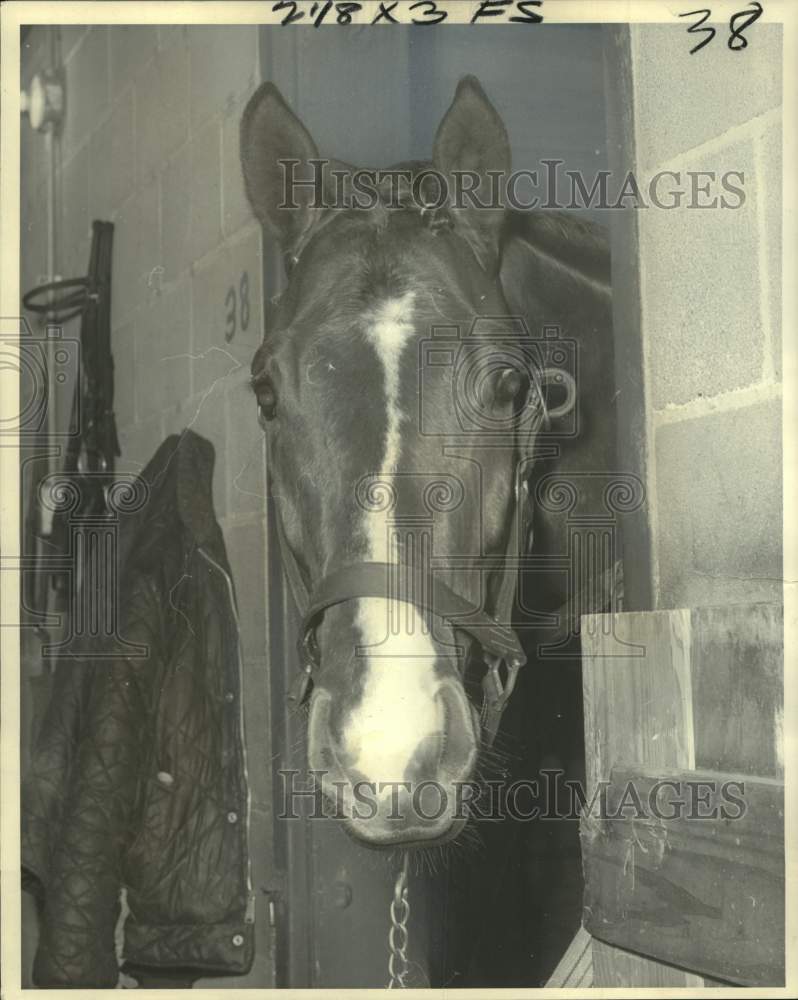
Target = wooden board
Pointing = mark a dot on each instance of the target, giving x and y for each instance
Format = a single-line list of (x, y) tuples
[(636, 708), (638, 705), (706, 691), (738, 688), (705, 888)]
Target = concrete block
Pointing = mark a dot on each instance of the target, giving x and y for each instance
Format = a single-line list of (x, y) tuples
[(100, 177), (71, 36), (206, 190), (32, 167), (224, 65), (33, 242), (236, 212), (138, 443), (132, 46), (227, 303), (171, 319), (162, 352), (701, 289), (123, 347), (87, 88), (75, 226), (148, 395), (683, 100), (176, 213), (246, 551), (124, 276), (192, 201), (719, 508), (81, 257), (137, 252), (122, 163), (771, 201), (149, 223), (162, 106)]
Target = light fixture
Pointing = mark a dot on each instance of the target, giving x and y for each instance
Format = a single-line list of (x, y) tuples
[(44, 101)]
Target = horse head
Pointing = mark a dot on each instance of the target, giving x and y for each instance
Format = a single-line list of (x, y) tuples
[(394, 392)]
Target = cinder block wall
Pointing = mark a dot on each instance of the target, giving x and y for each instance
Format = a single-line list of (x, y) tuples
[(711, 316), (150, 142)]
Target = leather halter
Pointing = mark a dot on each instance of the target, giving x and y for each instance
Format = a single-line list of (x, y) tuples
[(500, 644)]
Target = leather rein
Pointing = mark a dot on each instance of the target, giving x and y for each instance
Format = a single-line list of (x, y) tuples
[(501, 647)]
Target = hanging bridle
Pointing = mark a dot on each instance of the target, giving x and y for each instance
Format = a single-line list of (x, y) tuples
[(499, 642)]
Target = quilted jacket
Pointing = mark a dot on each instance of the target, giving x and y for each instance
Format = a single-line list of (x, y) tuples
[(137, 789)]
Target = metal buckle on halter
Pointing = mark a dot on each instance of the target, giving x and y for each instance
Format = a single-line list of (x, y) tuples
[(496, 693), (299, 685), (308, 659)]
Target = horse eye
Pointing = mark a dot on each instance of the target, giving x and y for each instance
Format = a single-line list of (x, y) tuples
[(267, 400), (511, 382), (289, 263)]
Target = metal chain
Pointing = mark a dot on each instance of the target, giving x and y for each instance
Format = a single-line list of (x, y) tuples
[(398, 962)]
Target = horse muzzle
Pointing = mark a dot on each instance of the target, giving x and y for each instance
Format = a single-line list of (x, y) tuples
[(427, 804)]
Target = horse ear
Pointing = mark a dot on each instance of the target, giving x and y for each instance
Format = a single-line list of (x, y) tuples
[(271, 135), (472, 137)]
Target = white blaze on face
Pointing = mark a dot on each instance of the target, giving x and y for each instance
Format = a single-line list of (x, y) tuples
[(398, 706)]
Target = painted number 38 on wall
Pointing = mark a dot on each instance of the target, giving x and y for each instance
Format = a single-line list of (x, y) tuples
[(237, 309)]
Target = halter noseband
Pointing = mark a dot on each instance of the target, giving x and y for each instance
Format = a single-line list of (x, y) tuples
[(499, 642)]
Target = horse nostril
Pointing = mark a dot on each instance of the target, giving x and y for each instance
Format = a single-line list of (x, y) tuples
[(460, 745)]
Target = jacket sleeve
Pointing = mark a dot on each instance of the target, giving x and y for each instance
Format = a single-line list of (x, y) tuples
[(46, 778), (81, 895)]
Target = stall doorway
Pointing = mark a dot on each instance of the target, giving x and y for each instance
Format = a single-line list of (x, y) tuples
[(500, 914)]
